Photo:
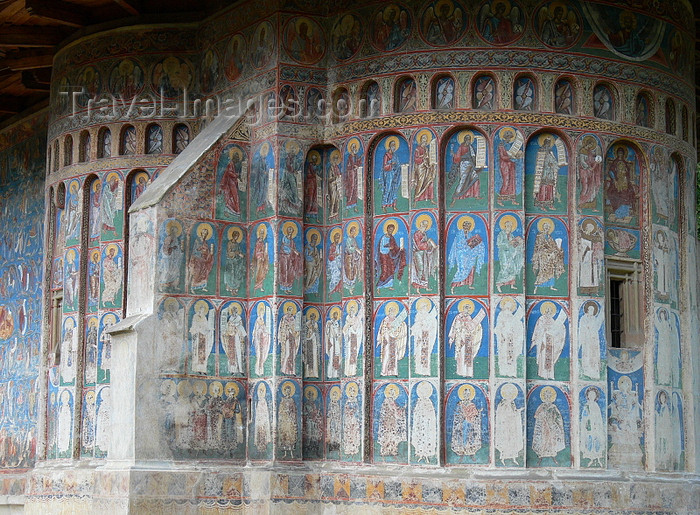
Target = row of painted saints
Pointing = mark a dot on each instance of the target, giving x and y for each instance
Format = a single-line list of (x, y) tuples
[(440, 23), (402, 173), (328, 343), (210, 418), (403, 260)]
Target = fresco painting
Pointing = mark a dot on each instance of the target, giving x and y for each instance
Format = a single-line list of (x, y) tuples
[(466, 339), (467, 424), (466, 166), (546, 174), (549, 437), (548, 333)]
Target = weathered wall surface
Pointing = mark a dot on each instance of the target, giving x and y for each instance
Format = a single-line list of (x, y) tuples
[(22, 169), (397, 258)]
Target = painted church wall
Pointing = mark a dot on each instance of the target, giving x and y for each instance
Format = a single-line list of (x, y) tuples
[(400, 258), (22, 170)]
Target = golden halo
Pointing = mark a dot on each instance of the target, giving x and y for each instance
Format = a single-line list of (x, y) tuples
[(548, 394), (548, 307), (508, 301), (216, 389), (261, 308), (291, 305), (624, 381), (334, 231), (466, 305), (184, 388), (424, 132), (589, 221), (396, 141), (313, 155), (311, 232), (466, 392), (264, 149), (173, 223), (507, 133), (96, 185), (141, 175), (235, 304), (344, 25), (313, 311), (287, 225), (65, 396), (110, 319), (591, 303), (292, 147), (422, 302), (440, 3), (391, 391), (200, 230), (506, 5), (170, 301), (95, 255), (112, 175), (542, 221), (619, 146), (262, 231), (509, 391), (391, 306), (563, 5), (200, 387), (92, 322), (353, 225), (70, 255), (351, 389), (234, 230), (354, 142), (335, 392), (110, 247), (542, 137), (289, 384), (126, 67), (588, 140), (69, 323), (353, 304), (335, 310), (389, 222), (507, 218), (311, 393), (424, 218), (233, 388), (199, 304), (461, 136), (307, 21), (235, 151), (424, 389), (167, 386), (90, 397), (466, 219), (335, 155)]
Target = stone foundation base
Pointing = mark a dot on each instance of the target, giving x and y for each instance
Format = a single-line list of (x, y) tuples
[(211, 489)]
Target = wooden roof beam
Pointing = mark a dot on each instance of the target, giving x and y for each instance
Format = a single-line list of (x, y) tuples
[(29, 60), (131, 6), (10, 104), (10, 8), (30, 37), (57, 11), (37, 80)]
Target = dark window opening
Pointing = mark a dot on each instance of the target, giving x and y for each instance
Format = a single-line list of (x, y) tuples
[(616, 313)]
